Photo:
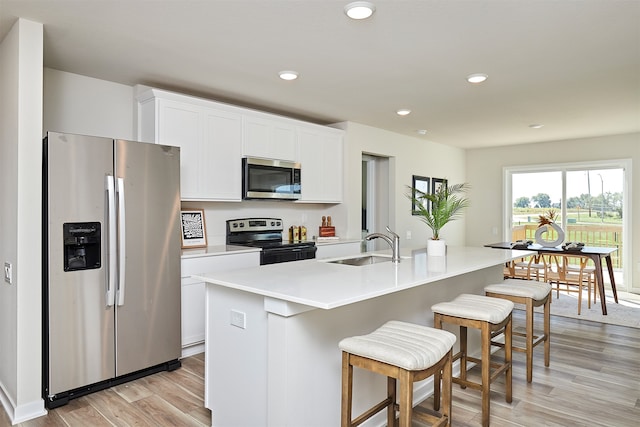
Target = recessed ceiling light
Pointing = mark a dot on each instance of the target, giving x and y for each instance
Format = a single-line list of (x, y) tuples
[(535, 126), (359, 9), (288, 75), (477, 78), (422, 131), (403, 112)]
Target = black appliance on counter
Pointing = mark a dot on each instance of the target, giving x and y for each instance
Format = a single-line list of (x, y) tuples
[(266, 233)]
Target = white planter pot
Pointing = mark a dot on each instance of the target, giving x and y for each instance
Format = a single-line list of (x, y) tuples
[(436, 247)]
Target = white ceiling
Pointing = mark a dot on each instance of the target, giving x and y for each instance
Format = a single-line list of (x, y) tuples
[(573, 66)]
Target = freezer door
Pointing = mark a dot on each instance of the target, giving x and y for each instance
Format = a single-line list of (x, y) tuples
[(148, 296), (80, 324)]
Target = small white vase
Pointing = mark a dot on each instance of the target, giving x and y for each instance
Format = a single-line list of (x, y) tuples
[(436, 247)]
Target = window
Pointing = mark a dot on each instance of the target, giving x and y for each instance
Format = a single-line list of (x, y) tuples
[(587, 198)]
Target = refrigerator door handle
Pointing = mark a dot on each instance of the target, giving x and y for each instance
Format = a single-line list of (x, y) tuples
[(122, 255), (112, 242)]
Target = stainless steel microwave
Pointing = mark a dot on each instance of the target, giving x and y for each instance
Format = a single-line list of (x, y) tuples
[(270, 179)]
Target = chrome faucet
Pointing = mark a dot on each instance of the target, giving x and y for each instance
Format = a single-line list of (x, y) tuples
[(394, 244)]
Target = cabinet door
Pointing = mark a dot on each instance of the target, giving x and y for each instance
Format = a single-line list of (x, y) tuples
[(193, 291), (210, 149), (220, 161), (268, 138), (179, 124), (320, 156)]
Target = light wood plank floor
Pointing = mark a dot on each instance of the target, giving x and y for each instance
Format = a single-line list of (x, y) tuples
[(593, 380)]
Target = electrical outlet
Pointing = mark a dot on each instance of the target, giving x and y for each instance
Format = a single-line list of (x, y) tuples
[(408, 235), (8, 273), (239, 319)]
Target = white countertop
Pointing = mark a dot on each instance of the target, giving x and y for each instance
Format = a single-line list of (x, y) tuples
[(321, 284)]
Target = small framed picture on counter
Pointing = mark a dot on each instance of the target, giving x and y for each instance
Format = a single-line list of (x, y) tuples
[(192, 227)]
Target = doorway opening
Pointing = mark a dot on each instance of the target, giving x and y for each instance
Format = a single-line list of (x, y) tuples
[(375, 198)]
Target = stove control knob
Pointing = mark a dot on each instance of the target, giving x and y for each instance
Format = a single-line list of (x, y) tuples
[(241, 224)]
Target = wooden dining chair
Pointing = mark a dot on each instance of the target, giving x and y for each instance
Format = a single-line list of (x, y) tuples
[(527, 268), (561, 271)]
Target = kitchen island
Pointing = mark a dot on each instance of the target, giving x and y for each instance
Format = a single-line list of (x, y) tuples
[(271, 351)]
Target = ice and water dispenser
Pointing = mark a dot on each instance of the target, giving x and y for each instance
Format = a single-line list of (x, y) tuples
[(81, 245)]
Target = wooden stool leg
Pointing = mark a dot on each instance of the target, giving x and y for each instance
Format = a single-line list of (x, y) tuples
[(447, 380), (529, 338), (547, 330), (406, 398), (391, 392), (347, 390), (508, 353), (463, 354), (486, 373), (437, 378)]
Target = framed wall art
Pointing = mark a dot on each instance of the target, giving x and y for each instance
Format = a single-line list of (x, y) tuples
[(436, 183), (420, 183), (192, 227)]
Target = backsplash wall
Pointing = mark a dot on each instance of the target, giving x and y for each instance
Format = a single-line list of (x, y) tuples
[(292, 213)]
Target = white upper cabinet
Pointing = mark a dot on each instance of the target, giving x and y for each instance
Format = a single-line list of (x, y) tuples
[(213, 137), (320, 156), (268, 137), (210, 139)]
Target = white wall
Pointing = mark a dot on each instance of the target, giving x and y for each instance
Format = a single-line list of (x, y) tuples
[(20, 218), (83, 105), (409, 156), (484, 170)]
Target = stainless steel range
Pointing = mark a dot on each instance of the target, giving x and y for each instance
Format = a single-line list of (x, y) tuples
[(266, 233)]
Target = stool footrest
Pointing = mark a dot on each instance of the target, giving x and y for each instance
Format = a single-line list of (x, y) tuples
[(371, 412), (537, 339), (498, 368), (430, 417)]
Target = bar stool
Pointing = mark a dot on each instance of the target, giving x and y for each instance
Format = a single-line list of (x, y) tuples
[(489, 315), (407, 353), (532, 294)]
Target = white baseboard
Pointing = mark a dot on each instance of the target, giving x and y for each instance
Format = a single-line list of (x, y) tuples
[(21, 413), (193, 349)]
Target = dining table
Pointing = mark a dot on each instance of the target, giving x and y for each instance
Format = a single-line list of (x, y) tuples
[(595, 253)]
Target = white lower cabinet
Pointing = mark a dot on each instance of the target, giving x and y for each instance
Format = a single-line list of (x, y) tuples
[(193, 293)]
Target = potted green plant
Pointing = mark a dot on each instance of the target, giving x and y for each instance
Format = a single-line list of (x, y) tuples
[(439, 208)]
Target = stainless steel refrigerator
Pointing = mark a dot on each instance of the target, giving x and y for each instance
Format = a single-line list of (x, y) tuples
[(111, 263)]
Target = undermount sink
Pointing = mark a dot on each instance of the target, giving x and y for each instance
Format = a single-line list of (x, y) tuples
[(362, 260)]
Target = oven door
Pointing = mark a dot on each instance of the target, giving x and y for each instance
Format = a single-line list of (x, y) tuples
[(270, 179), (276, 255)]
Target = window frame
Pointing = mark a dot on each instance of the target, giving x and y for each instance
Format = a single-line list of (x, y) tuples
[(624, 164)]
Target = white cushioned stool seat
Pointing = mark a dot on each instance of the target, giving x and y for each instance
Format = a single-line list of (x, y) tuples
[(521, 288), (405, 353), (477, 307), (406, 345)]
